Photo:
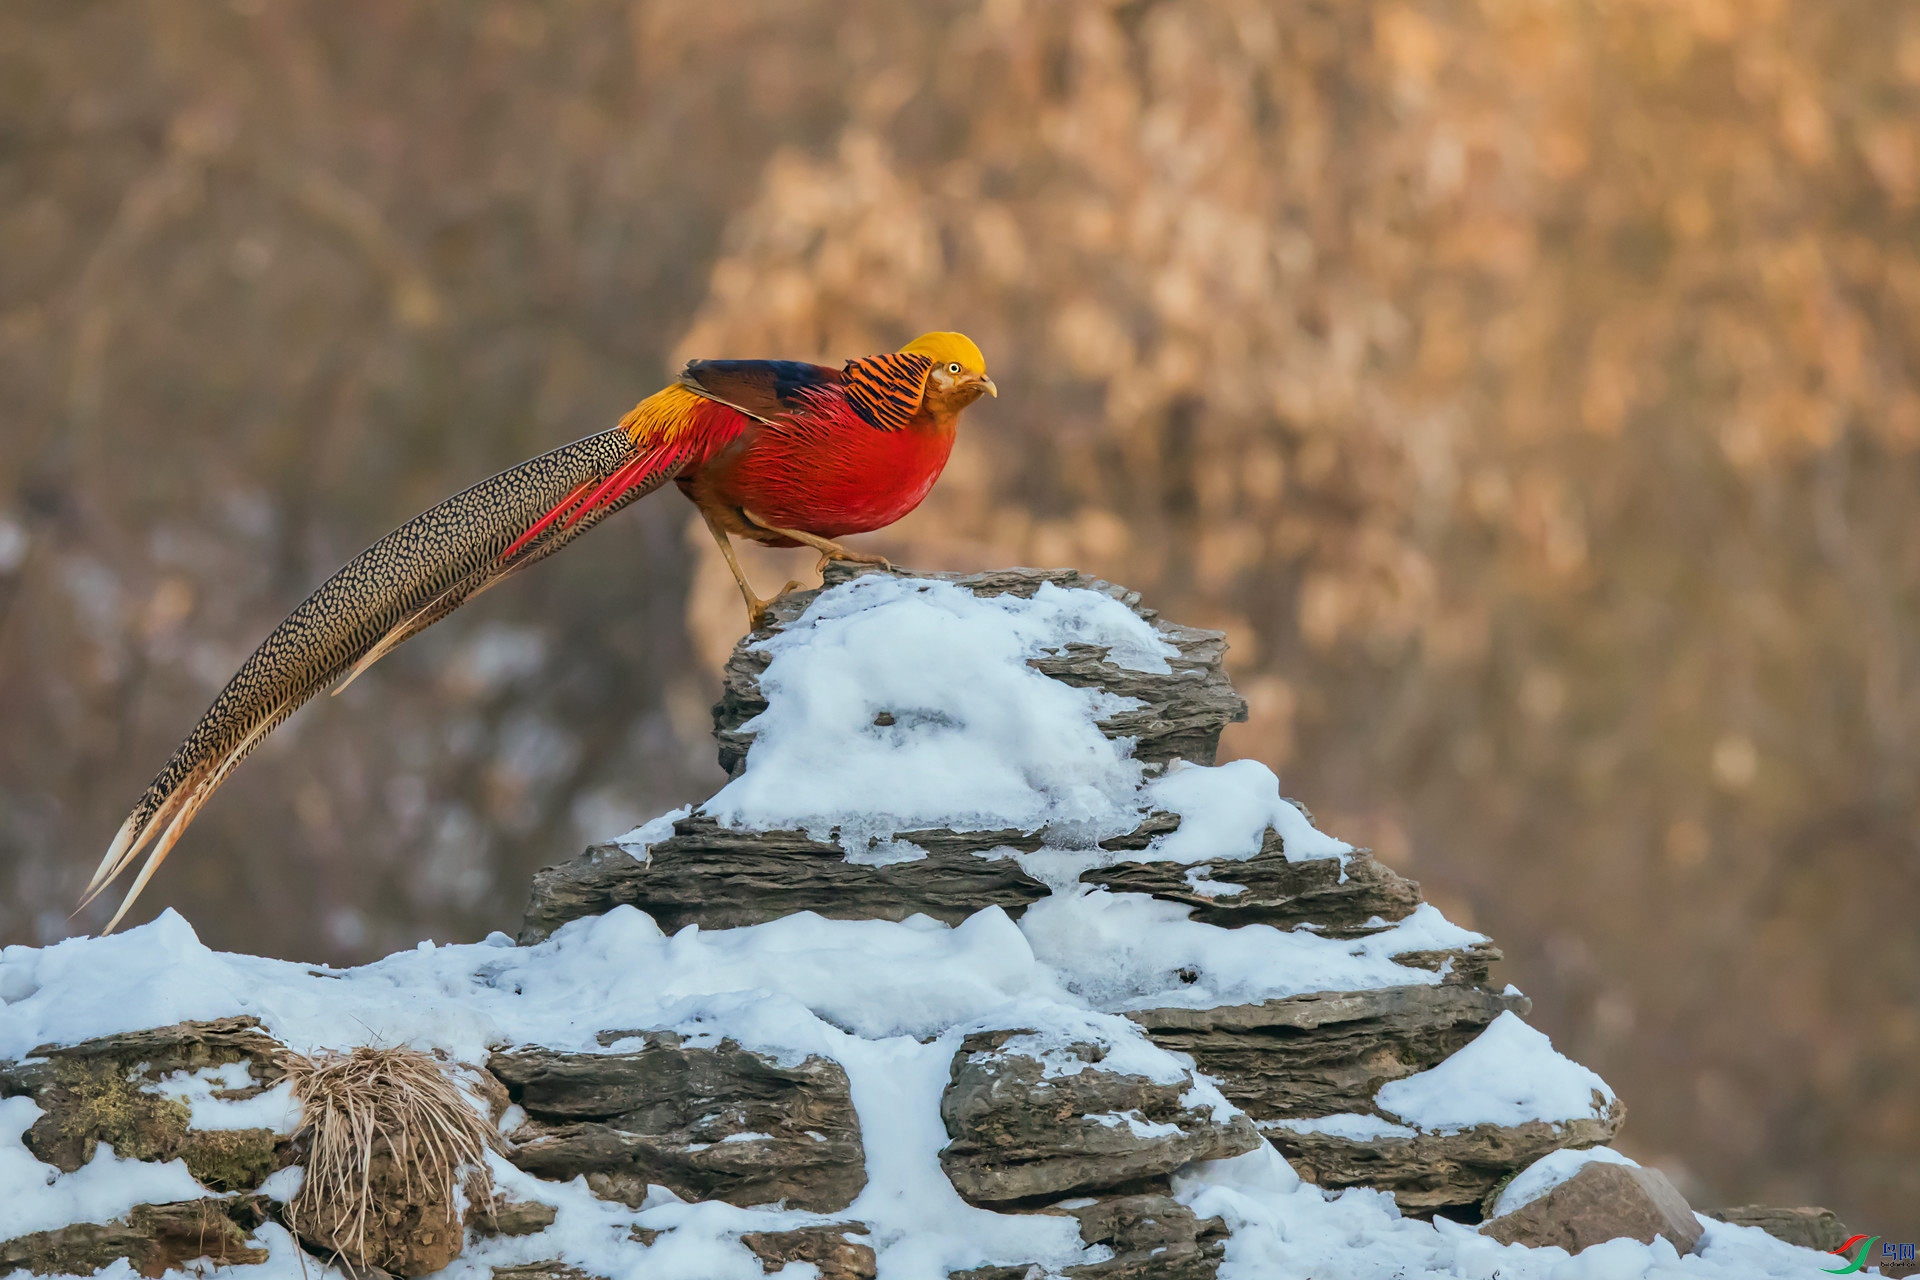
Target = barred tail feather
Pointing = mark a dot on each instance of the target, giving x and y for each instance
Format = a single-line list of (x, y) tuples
[(410, 579)]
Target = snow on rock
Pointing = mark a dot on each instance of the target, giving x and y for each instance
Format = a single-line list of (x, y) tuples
[(1509, 1075), (40, 1198), (1548, 1172), (938, 719), (1130, 951), (1053, 1114), (1095, 962), (1600, 1204), (1283, 1227), (1226, 811), (1353, 1126), (273, 1109)]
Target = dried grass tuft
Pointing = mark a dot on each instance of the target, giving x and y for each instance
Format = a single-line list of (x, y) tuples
[(376, 1123)]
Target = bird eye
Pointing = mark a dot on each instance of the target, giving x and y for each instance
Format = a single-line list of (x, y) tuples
[(954, 367)]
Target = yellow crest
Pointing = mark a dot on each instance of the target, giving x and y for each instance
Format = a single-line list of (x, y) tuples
[(948, 348)]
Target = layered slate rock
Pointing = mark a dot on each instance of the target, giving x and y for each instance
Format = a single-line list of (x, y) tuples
[(1599, 1203), (1150, 1237), (830, 1248), (546, 1269), (1330, 1051), (1178, 717), (103, 1090), (1808, 1226), (1444, 1138), (1082, 1114), (1027, 1128), (720, 878), (1339, 898), (1153, 1237), (723, 1123), (153, 1238), (1427, 1170), (498, 1215)]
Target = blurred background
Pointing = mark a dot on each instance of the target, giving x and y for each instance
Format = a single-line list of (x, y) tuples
[(1532, 390)]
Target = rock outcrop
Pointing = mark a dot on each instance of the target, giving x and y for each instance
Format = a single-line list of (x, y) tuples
[(153, 1238), (1808, 1226), (1431, 1170), (1599, 1203), (1340, 898), (1326, 1052), (832, 1249), (1312, 1055), (1030, 1125), (719, 878), (1150, 1237), (721, 1123), (106, 1090), (1179, 715), (1254, 982)]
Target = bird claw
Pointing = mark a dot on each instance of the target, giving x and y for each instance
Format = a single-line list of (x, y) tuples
[(757, 611), (851, 557)]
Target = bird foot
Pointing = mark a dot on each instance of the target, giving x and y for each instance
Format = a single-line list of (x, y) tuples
[(757, 608), (851, 557)]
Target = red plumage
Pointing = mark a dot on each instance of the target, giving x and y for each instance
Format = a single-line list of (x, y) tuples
[(825, 469), (764, 447), (783, 453)]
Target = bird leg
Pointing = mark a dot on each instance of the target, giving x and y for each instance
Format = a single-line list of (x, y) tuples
[(827, 547), (756, 607)]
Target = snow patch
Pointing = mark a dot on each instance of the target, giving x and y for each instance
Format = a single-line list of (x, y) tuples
[(1225, 811), (1283, 1227), (40, 1198), (1353, 1126), (1508, 1075), (651, 832), (937, 720), (272, 1108), (1548, 1172), (1123, 951)]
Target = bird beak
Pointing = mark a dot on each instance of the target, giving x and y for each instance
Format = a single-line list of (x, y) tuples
[(986, 384)]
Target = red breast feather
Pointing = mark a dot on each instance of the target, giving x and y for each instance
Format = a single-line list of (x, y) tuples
[(826, 470)]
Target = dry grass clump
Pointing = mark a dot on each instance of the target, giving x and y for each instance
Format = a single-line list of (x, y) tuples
[(387, 1135)]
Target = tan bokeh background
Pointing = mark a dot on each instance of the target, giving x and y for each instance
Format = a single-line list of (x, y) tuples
[(1532, 390)]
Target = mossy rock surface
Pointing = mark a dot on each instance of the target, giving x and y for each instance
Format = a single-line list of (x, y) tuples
[(90, 1102), (99, 1091), (234, 1159), (154, 1238)]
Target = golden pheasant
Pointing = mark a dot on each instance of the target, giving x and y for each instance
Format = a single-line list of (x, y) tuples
[(780, 452)]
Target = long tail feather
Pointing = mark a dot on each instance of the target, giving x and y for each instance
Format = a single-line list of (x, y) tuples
[(410, 579), (540, 525)]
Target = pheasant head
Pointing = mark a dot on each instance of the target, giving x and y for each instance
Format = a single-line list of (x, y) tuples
[(959, 374)]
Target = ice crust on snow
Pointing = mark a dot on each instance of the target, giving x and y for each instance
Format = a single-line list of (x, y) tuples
[(1548, 1172), (980, 741), (1508, 1075)]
